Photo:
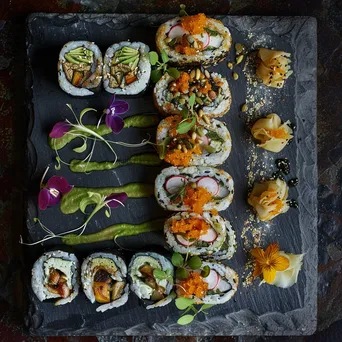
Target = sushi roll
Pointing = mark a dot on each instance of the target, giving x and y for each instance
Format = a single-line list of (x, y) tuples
[(213, 284), (194, 188), (126, 68), (205, 144), (104, 281), (213, 97), (199, 234), (146, 283), (55, 275), (80, 68), (194, 40)]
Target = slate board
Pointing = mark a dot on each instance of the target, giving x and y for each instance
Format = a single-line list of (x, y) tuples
[(265, 310)]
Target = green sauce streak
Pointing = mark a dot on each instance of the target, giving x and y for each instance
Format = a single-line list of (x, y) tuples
[(70, 202), (113, 232), (136, 121), (149, 159)]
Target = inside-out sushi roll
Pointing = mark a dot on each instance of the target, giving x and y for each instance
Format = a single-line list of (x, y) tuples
[(80, 68), (126, 68), (147, 282), (194, 39), (194, 188), (213, 97), (214, 284), (199, 234), (104, 281), (205, 144), (55, 276)]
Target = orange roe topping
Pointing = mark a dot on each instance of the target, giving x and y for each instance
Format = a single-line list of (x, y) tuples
[(214, 212), (206, 87), (193, 227), (181, 84), (185, 48), (197, 198), (193, 286), (279, 133), (194, 24), (180, 158)]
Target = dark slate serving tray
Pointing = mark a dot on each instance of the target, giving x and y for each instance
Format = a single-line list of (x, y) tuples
[(254, 310)]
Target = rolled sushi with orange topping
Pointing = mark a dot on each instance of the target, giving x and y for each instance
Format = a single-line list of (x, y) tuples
[(205, 144), (213, 97), (194, 40)]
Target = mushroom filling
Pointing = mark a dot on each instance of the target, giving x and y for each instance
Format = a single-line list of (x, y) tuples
[(57, 283)]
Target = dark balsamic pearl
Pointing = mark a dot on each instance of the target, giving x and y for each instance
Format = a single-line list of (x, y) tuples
[(292, 182)]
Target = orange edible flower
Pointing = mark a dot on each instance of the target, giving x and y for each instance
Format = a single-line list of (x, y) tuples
[(268, 262), (192, 227), (197, 198), (194, 24), (194, 285), (181, 84), (180, 158)]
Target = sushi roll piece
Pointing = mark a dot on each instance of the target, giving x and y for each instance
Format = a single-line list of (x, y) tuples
[(194, 189), (55, 275), (104, 280), (80, 68), (214, 284), (153, 288), (213, 97), (126, 68), (205, 144), (194, 40), (199, 234)]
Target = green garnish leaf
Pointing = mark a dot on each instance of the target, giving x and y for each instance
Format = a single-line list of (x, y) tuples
[(164, 56), (156, 75), (159, 274), (186, 319), (205, 271), (211, 32), (182, 11), (173, 72), (182, 303), (153, 57), (182, 6), (82, 148), (58, 166), (97, 198), (206, 306), (177, 260), (182, 273), (162, 148), (195, 262), (84, 203), (185, 113), (107, 213), (185, 126), (192, 100)]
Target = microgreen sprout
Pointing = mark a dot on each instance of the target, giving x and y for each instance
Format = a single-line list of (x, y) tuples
[(189, 117), (183, 264), (161, 67), (182, 11), (187, 304), (161, 275)]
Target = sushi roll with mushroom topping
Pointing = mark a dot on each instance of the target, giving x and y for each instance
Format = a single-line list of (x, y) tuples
[(194, 40), (213, 97), (213, 284), (80, 68), (55, 276), (151, 276), (205, 144), (104, 281), (196, 234), (126, 68), (194, 189)]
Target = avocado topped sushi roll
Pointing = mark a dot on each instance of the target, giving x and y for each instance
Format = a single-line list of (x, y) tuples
[(80, 68), (213, 97), (194, 40), (104, 280), (205, 144), (151, 277), (55, 276), (127, 68)]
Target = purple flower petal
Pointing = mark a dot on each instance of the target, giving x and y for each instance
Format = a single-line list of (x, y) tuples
[(60, 184), (120, 107), (59, 129), (115, 122), (113, 198), (47, 199)]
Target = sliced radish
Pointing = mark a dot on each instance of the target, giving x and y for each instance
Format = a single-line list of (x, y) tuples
[(176, 31), (210, 184), (213, 280), (184, 241), (216, 41), (223, 192), (203, 37), (224, 286), (175, 183), (209, 236)]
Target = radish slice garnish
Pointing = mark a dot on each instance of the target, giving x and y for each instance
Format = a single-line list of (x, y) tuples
[(213, 280), (210, 184), (175, 183), (176, 31), (203, 37), (223, 192), (216, 41), (224, 286), (184, 241), (209, 236)]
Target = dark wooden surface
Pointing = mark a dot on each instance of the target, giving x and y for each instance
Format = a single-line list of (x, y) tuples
[(12, 141)]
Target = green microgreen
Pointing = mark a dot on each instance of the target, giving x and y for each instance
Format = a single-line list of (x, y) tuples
[(189, 117), (182, 11), (161, 275)]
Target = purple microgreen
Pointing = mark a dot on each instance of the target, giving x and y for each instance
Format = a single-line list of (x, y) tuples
[(60, 184), (48, 198), (115, 122), (59, 129)]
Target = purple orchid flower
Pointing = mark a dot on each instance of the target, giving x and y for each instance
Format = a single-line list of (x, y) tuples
[(51, 194), (59, 129), (114, 200), (113, 119)]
